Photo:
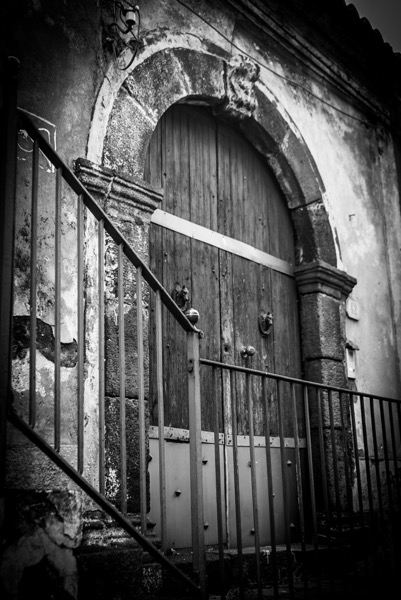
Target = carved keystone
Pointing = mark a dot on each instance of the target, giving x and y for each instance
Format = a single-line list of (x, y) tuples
[(242, 73)]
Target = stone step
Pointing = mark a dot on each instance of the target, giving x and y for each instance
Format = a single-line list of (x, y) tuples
[(101, 531), (112, 565)]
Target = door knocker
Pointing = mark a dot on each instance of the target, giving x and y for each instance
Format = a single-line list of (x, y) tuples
[(265, 323), (180, 295)]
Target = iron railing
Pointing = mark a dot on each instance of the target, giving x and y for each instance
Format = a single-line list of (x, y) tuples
[(95, 273), (339, 456)]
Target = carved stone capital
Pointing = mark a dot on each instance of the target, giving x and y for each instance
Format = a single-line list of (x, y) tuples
[(320, 277), (109, 187)]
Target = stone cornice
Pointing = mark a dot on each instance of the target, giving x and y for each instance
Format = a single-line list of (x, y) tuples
[(106, 185), (322, 63), (319, 277)]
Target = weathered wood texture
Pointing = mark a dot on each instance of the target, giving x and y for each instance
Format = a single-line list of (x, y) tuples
[(212, 176)]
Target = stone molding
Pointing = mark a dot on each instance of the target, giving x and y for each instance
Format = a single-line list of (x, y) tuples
[(105, 184), (320, 277)]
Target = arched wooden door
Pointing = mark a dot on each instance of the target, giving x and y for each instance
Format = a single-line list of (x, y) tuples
[(224, 234)]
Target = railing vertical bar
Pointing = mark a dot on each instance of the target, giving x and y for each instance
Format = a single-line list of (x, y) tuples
[(284, 469), (322, 452), (249, 398), (350, 506), (312, 488), (270, 490), (335, 463), (386, 458), (141, 400), (376, 458), (339, 527), (355, 443), (32, 300), (101, 350), (57, 324), (368, 476), (160, 404), (357, 470), (195, 448), (398, 471), (298, 474), (388, 478), (396, 478), (80, 316), (121, 345), (334, 458), (236, 483), (8, 170), (394, 452), (324, 478), (366, 453), (219, 499)]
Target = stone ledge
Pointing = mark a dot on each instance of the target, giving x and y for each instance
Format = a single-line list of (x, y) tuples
[(320, 277), (109, 185)]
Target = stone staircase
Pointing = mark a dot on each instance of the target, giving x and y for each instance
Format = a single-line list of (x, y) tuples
[(112, 566)]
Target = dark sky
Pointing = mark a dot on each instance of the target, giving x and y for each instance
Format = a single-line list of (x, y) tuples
[(384, 15)]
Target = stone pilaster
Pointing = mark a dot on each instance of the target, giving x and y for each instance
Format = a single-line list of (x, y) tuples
[(129, 203), (323, 290)]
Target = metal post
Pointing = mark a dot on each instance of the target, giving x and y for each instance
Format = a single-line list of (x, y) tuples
[(255, 510), (80, 321), (141, 401), (197, 516), (160, 404), (234, 421), (121, 348), (216, 406), (7, 224), (101, 334), (33, 290), (57, 333), (269, 473)]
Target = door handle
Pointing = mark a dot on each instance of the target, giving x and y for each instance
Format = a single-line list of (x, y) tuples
[(247, 351)]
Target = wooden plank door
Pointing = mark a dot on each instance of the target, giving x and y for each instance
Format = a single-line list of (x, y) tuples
[(214, 178), (182, 158)]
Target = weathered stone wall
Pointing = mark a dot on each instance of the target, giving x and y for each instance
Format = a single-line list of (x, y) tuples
[(42, 531), (129, 203)]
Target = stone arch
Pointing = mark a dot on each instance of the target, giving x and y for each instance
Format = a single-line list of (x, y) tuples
[(177, 74), (233, 88)]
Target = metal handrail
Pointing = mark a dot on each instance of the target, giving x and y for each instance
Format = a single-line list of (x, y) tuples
[(322, 386), (104, 504), (63, 172), (111, 229)]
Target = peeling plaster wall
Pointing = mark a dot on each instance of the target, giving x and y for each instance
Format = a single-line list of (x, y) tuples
[(41, 556), (26, 472), (358, 168)]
